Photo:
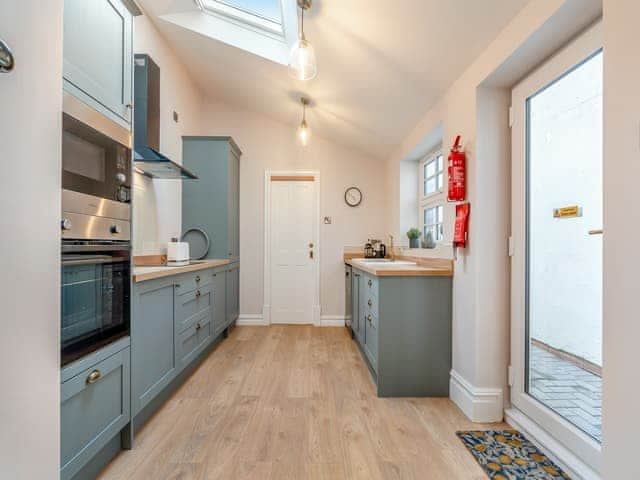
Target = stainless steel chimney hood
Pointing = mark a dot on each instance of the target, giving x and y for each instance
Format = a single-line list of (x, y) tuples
[(146, 131)]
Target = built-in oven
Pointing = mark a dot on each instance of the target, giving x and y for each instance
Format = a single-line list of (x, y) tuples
[(94, 163), (96, 237), (95, 295)]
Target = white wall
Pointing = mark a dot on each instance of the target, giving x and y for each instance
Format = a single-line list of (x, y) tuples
[(157, 203), (621, 416), (481, 281), (269, 144), (30, 132)]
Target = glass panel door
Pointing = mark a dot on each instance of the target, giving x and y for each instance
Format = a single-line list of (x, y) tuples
[(564, 233), (557, 229)]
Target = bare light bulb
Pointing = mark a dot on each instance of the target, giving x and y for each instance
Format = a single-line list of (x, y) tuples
[(304, 133)]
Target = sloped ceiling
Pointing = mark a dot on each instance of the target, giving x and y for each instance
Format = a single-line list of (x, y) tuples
[(381, 63)]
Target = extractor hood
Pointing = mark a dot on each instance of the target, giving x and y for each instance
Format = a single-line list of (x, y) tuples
[(146, 129)]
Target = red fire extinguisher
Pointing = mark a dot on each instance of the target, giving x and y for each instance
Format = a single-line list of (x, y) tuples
[(457, 171)]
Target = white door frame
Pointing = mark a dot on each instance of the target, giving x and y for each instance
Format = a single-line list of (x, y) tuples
[(266, 309), (585, 449)]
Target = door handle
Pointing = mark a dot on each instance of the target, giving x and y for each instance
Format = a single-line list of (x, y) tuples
[(311, 254), (596, 232)]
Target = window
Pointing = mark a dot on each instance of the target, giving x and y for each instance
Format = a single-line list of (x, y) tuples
[(431, 201), (433, 221), (269, 9), (433, 175)]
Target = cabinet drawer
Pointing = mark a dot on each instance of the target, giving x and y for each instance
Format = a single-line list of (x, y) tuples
[(371, 304), (191, 305), (371, 284), (94, 408), (192, 281), (194, 339)]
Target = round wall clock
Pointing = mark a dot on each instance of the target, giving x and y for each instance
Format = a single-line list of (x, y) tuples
[(353, 196)]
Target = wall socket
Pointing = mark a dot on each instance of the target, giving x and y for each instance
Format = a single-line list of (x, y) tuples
[(327, 220)]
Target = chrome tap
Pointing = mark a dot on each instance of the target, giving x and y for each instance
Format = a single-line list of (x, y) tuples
[(391, 253)]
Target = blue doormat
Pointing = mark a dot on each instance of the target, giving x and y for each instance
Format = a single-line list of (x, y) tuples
[(508, 455)]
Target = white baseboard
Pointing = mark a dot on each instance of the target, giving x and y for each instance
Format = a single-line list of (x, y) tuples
[(316, 315), (481, 405), (332, 321), (257, 320), (575, 467), (248, 320)]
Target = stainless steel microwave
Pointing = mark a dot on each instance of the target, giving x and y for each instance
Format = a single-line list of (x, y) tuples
[(94, 163)]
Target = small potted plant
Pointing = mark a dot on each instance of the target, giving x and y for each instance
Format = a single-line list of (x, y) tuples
[(414, 237)]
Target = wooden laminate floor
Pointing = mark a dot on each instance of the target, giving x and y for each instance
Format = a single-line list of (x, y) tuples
[(295, 402)]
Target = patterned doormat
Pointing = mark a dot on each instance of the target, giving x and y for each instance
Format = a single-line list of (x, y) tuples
[(508, 455)]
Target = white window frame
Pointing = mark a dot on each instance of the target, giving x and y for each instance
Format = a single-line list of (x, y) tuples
[(434, 199)]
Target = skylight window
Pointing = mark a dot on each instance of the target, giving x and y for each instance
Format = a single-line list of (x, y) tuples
[(268, 9), (264, 15)]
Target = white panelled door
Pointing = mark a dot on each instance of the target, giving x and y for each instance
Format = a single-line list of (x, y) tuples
[(293, 233)]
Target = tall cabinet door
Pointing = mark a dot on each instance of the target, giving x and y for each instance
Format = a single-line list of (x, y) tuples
[(233, 293), (98, 55), (234, 206)]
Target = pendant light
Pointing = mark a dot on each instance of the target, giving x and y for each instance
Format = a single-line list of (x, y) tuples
[(304, 132), (302, 61)]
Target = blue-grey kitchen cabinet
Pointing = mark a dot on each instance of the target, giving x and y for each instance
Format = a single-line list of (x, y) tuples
[(403, 329), (219, 317), (153, 334), (98, 56), (212, 202), (232, 293), (94, 404)]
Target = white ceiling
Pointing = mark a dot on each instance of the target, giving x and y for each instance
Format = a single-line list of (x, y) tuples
[(381, 63)]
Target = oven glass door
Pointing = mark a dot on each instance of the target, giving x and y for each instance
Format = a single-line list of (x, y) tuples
[(93, 163), (95, 301)]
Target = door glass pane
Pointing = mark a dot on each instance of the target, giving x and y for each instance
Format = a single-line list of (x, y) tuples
[(564, 255)]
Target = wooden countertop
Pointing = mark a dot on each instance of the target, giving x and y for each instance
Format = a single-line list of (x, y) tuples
[(425, 267), (143, 273)]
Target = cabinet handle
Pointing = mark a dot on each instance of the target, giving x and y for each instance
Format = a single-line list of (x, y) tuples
[(177, 285), (198, 294), (198, 278), (129, 105), (369, 302), (215, 274), (369, 318), (198, 326), (370, 283), (93, 377)]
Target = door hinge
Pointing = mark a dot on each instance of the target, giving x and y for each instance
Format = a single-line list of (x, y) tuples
[(511, 376), (511, 119), (510, 247)]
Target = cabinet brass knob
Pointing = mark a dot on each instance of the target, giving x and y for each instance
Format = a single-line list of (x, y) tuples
[(198, 294), (93, 377), (370, 282), (369, 318), (198, 278), (198, 326), (370, 302)]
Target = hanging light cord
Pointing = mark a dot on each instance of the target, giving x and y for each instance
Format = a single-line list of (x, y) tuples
[(302, 24)]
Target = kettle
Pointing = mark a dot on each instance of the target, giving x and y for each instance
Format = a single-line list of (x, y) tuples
[(368, 251)]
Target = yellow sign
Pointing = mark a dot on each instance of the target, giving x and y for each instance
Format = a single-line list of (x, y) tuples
[(568, 212)]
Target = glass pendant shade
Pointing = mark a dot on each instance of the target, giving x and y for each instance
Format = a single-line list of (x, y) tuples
[(304, 133), (302, 62)]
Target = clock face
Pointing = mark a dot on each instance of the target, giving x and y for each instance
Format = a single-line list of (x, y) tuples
[(353, 196)]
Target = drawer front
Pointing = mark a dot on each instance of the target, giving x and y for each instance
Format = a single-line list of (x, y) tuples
[(371, 304), (194, 339), (191, 281), (191, 305), (371, 340), (94, 408), (371, 284)]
